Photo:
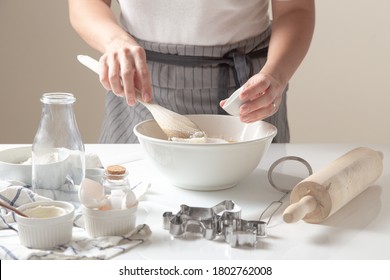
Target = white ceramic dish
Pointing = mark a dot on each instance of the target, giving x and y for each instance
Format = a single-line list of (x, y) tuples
[(113, 222), (13, 166), (46, 233), (208, 166)]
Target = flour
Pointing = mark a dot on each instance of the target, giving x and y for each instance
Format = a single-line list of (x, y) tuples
[(50, 158), (44, 212), (199, 140), (46, 159), (26, 162)]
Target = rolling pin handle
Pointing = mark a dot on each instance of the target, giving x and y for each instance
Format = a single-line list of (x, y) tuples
[(297, 211)]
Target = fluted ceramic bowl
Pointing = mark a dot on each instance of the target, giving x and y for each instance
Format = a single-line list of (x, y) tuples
[(114, 222), (49, 224)]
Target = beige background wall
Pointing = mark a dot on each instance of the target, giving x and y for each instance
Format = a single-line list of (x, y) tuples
[(341, 93)]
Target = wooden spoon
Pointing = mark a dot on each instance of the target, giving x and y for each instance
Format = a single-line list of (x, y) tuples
[(174, 125), (9, 207)]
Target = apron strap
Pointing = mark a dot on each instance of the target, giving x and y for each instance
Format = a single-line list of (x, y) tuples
[(240, 62)]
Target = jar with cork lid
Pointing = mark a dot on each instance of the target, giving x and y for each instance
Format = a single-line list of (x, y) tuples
[(117, 187), (115, 178)]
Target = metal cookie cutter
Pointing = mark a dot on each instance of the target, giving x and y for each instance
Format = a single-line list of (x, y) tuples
[(239, 232), (224, 219), (206, 221)]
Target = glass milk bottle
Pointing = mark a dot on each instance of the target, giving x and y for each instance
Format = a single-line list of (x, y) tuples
[(58, 157)]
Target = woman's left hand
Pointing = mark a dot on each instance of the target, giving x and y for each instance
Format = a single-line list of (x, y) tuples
[(261, 97)]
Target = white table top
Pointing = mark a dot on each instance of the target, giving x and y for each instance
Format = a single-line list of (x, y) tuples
[(360, 230)]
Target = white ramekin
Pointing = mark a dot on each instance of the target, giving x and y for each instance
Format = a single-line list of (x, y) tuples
[(113, 222), (46, 233)]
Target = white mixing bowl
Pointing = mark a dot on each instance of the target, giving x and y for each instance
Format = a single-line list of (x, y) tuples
[(208, 166)]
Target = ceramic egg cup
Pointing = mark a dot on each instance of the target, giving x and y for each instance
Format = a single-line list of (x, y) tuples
[(46, 233)]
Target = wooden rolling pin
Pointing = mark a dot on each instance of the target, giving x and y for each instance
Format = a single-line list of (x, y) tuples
[(323, 193)]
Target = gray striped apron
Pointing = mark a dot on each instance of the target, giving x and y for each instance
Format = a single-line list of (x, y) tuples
[(192, 80)]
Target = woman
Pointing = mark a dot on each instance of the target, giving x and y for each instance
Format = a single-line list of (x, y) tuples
[(190, 55)]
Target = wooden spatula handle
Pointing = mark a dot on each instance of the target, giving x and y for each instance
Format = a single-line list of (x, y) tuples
[(297, 211), (9, 207)]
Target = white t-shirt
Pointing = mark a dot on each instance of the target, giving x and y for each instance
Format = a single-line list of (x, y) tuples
[(194, 22)]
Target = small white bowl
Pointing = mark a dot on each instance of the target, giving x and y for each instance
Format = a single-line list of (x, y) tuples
[(233, 103), (115, 222), (208, 166), (46, 233), (15, 164)]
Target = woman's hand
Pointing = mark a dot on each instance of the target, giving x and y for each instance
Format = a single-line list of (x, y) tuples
[(123, 63), (292, 30), (123, 69), (261, 97)]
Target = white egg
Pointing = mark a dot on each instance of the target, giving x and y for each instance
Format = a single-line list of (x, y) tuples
[(129, 200)]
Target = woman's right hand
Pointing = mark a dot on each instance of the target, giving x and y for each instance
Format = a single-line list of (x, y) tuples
[(123, 70), (123, 66)]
